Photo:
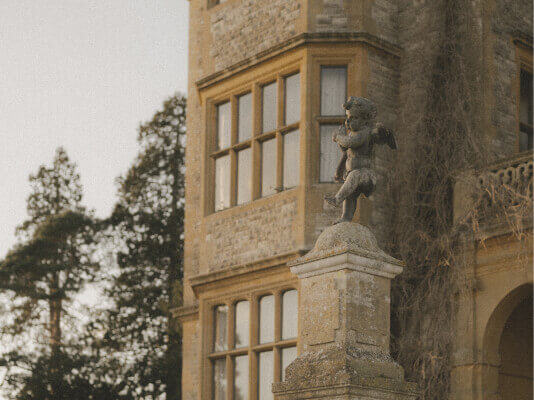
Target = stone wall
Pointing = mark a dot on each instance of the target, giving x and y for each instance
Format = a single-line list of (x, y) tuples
[(333, 17), (382, 88), (510, 19), (385, 17), (193, 156), (242, 29), (191, 343), (254, 234), (190, 353), (418, 37)]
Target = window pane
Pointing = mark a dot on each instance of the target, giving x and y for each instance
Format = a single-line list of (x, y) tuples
[(244, 126), (223, 125), (266, 319), (268, 167), (269, 115), (525, 141), (289, 314), (525, 102), (291, 159), (265, 375), (288, 356), (222, 182), (219, 379), (330, 153), (241, 377), (242, 315), (292, 103), (244, 176), (221, 332), (333, 90)]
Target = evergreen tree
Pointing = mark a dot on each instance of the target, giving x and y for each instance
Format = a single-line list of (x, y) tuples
[(41, 276), (148, 217)]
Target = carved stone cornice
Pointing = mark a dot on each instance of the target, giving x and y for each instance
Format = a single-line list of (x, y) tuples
[(232, 273), (298, 41), (186, 313)]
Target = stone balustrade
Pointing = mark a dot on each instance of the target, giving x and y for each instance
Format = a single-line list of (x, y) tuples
[(499, 185), (514, 174)]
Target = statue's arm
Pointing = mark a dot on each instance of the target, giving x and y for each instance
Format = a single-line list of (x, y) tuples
[(352, 141)]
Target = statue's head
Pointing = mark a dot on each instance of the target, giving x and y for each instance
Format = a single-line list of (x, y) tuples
[(361, 112)]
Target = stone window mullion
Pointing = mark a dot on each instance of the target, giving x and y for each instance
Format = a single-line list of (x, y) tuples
[(254, 339), (279, 162), (233, 177), (277, 334)]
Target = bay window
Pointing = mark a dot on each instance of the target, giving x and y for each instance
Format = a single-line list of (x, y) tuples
[(274, 144), (254, 340)]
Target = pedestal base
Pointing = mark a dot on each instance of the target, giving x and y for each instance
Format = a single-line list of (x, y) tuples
[(344, 321), (341, 373)]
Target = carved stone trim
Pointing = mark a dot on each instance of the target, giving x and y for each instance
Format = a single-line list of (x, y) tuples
[(515, 173), (297, 41), (201, 280), (521, 39), (186, 313), (513, 160), (347, 261)]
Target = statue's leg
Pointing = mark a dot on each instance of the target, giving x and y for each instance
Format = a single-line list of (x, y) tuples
[(340, 170), (349, 208), (347, 189)]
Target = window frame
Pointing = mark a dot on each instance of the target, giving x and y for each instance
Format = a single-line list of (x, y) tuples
[(523, 63), (254, 347), (257, 136)]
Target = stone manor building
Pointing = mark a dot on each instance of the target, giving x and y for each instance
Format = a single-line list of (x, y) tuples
[(266, 82)]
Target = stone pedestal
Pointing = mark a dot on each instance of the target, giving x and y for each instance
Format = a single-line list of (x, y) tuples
[(344, 321)]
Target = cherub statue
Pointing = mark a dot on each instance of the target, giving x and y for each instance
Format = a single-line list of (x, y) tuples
[(356, 140)]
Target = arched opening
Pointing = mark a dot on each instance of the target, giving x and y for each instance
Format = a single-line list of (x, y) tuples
[(507, 345), (515, 351)]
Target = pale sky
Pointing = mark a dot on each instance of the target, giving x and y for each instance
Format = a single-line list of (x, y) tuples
[(82, 74)]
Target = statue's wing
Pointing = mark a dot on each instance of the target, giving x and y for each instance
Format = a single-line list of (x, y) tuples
[(384, 136)]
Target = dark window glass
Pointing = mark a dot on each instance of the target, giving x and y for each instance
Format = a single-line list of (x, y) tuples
[(333, 90), (330, 153), (525, 111), (244, 117), (266, 319), (242, 323), (289, 314), (219, 379), (268, 167), (265, 375), (223, 125), (222, 182), (292, 101), (269, 107), (221, 328), (241, 377), (291, 159), (244, 176)]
